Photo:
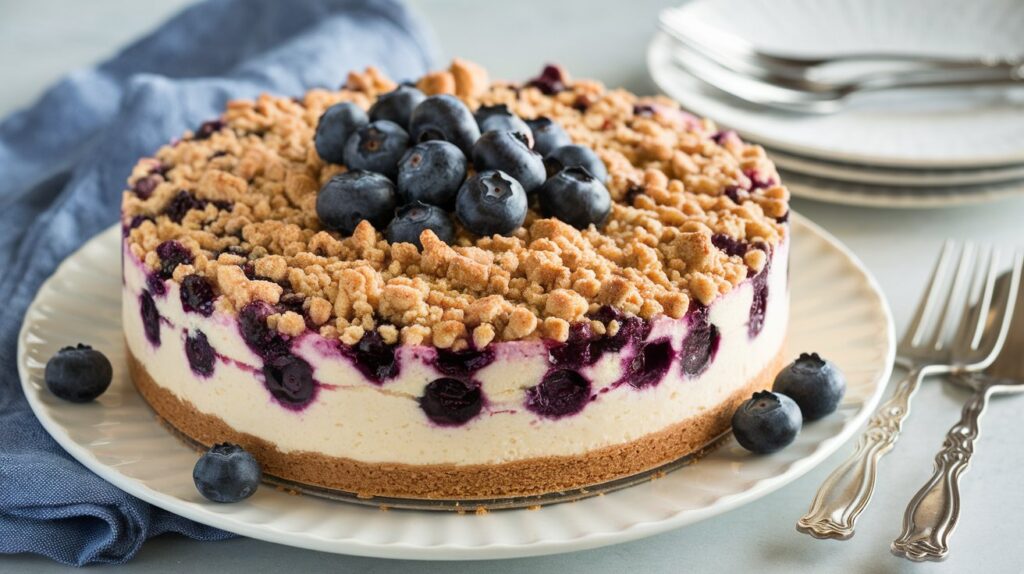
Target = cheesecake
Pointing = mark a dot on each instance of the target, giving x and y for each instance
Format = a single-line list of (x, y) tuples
[(553, 352)]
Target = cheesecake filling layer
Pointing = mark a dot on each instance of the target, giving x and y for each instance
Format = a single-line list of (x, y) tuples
[(415, 405)]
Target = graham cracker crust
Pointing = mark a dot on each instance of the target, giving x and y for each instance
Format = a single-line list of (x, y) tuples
[(448, 481)]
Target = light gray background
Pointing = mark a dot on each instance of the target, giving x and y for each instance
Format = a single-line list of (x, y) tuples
[(43, 39)]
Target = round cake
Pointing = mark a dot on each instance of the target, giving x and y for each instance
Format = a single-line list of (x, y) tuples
[(556, 355)]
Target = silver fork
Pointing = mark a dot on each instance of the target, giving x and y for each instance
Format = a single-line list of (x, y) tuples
[(933, 513), (926, 349), (819, 97)]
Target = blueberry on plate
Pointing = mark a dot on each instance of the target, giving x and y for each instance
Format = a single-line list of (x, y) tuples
[(412, 219), (815, 384), (767, 422), (575, 197), (491, 202), (548, 135), (226, 473), (377, 146), (336, 125), (574, 155), (444, 117), (432, 172), (508, 152), (499, 118), (350, 197), (397, 105), (78, 374)]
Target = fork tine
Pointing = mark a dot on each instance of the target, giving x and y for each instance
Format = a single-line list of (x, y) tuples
[(978, 301), (936, 285), (965, 271), (995, 333)]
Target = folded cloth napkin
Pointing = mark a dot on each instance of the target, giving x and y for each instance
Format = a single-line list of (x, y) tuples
[(63, 164)]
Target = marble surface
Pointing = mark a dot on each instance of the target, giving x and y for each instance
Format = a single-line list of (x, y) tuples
[(606, 39)]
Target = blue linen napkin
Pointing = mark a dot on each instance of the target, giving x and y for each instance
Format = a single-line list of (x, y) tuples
[(63, 165)]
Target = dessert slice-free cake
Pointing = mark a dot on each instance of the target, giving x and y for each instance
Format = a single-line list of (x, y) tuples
[(528, 330)]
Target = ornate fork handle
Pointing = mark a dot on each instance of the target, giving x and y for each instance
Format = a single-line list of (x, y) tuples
[(934, 511), (847, 491)]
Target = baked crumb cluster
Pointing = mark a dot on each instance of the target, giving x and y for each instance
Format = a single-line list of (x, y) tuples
[(240, 195)]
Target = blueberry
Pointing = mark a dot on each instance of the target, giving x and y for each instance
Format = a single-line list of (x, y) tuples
[(179, 205), (226, 473), (767, 422), (78, 374), (150, 317), (550, 81), (171, 255), (815, 384), (377, 147), (444, 117), (560, 393), (350, 197), (432, 172), (207, 129), (575, 197), (491, 203), (201, 356), (197, 295), (410, 221), (548, 135), (509, 153), (451, 402), (252, 324), (336, 125), (498, 118), (650, 364), (374, 358), (574, 155), (397, 105), (289, 380)]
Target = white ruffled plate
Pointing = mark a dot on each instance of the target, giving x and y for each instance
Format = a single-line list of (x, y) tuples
[(837, 309)]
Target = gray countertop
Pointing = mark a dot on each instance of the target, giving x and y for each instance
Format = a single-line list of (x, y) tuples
[(606, 40)]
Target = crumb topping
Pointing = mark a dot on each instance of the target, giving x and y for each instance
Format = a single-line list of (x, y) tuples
[(240, 193)]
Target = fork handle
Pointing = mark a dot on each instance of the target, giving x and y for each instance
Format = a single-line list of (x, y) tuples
[(934, 511), (847, 491)]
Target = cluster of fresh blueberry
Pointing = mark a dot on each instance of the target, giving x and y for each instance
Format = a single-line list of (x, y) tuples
[(806, 390), (484, 167)]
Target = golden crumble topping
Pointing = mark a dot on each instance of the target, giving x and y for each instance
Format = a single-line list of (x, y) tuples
[(240, 195)]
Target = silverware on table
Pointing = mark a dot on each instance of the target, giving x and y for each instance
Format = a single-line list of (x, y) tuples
[(792, 83), (933, 513), (736, 53), (961, 293)]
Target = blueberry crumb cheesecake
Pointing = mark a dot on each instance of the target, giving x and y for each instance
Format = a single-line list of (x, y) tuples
[(455, 288)]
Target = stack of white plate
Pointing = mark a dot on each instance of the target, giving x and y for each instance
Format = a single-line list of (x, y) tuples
[(896, 149)]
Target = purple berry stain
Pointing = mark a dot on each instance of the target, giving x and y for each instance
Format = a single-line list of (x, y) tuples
[(579, 350), (462, 363), (730, 245), (150, 317), (201, 356), (560, 393), (451, 402), (197, 295), (701, 343), (760, 304), (649, 365), (289, 380)]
